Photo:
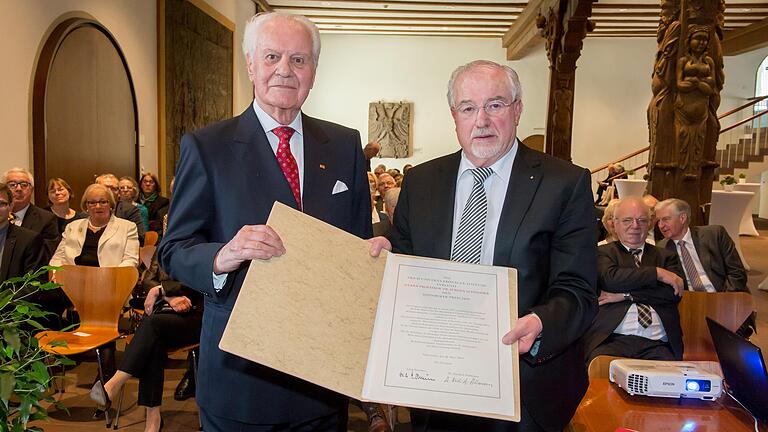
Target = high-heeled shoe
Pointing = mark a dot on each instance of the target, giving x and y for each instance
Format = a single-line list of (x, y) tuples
[(99, 395)]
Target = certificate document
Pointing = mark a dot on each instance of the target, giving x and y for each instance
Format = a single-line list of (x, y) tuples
[(436, 340)]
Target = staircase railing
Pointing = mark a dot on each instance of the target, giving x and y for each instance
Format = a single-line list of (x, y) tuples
[(746, 139), (741, 142)]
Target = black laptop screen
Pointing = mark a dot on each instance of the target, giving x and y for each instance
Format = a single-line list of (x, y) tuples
[(743, 367)]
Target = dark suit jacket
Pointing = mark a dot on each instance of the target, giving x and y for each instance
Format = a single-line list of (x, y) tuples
[(718, 256), (128, 211), (617, 273), (227, 177), (44, 223), (23, 252), (547, 233)]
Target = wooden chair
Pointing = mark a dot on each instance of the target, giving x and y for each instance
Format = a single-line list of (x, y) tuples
[(145, 254), (150, 238), (728, 308), (98, 294)]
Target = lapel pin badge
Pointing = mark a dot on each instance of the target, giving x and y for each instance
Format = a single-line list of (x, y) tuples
[(531, 177), (322, 166)]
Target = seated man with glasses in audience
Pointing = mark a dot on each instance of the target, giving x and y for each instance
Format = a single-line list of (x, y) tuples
[(640, 286), (27, 215)]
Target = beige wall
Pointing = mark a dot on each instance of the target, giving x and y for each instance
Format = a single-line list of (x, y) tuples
[(612, 86), (133, 25)]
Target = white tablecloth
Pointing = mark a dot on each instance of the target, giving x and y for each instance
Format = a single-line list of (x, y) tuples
[(629, 187), (727, 210), (747, 225)]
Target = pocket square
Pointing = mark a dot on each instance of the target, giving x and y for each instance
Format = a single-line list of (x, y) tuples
[(339, 187)]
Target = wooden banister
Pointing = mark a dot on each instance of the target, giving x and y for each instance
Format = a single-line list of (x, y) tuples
[(746, 120), (735, 110), (622, 159)]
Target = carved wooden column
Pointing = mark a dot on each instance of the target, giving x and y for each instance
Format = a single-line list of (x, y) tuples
[(564, 26), (682, 115)]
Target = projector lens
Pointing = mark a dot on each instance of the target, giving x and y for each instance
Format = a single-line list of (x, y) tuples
[(693, 385)]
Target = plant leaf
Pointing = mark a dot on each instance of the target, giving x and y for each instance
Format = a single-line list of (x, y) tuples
[(11, 336), (7, 383)]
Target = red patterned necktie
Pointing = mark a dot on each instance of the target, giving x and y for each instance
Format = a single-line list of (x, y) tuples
[(286, 160)]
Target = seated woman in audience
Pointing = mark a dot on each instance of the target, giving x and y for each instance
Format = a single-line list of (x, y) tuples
[(128, 191), (59, 195), (608, 222), (100, 240), (150, 197), (173, 318)]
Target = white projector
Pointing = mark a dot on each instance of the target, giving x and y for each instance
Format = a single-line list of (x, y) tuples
[(672, 379)]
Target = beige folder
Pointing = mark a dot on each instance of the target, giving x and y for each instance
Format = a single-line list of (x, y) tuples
[(310, 313)]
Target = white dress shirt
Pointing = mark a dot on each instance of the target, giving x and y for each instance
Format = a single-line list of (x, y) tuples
[(297, 149), (708, 285), (631, 327), (18, 217), (495, 191)]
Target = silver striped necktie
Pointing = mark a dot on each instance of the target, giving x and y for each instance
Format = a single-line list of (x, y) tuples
[(469, 238), (644, 317)]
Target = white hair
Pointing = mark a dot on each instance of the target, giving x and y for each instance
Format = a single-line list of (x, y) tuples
[(251, 33), (20, 170), (514, 81)]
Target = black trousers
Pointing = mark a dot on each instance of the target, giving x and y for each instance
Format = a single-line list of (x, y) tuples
[(146, 355), (631, 346), (434, 421), (332, 423)]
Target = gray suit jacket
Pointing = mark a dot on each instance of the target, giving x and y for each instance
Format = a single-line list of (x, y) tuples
[(718, 256)]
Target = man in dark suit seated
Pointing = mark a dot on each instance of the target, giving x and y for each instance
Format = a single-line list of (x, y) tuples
[(640, 286), (27, 215), (20, 248), (708, 254)]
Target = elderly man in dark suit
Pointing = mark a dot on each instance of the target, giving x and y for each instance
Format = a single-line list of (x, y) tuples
[(20, 248), (640, 287), (708, 254), (227, 179), (27, 215), (498, 202)]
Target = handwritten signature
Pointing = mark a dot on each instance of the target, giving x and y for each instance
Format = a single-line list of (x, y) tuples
[(415, 375), (467, 381)]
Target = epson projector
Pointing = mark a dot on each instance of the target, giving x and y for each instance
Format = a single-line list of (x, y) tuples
[(672, 379)]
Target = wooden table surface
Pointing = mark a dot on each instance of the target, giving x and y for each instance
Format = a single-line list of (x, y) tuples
[(606, 407)]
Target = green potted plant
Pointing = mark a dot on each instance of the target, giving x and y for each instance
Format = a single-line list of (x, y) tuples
[(728, 182), (742, 178), (631, 173), (24, 366)]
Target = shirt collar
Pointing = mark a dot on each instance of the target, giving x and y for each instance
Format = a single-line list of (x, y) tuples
[(268, 123), (502, 167), (687, 237), (21, 213), (627, 248)]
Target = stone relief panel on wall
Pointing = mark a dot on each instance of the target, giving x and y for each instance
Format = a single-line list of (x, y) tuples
[(389, 124)]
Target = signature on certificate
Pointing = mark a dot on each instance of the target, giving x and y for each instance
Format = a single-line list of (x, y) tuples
[(415, 374)]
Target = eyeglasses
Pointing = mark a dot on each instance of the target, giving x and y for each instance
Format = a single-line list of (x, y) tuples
[(97, 203), (126, 188), (23, 184), (640, 221), (493, 108)]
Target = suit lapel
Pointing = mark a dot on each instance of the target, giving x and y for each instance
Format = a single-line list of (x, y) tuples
[(109, 232), (523, 183), (30, 218), (442, 202), (317, 170), (10, 243), (700, 252), (252, 150)]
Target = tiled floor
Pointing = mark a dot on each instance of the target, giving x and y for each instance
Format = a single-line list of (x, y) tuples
[(182, 416)]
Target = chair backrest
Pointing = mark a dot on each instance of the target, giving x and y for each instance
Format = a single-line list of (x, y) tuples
[(146, 253), (98, 293), (728, 308), (600, 366), (150, 238)]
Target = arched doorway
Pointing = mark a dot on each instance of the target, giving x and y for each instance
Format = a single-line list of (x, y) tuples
[(84, 118), (761, 85)]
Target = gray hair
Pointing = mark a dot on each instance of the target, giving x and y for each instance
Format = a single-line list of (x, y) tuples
[(20, 170), (679, 205), (609, 210), (514, 81), (251, 33), (97, 187), (635, 199)]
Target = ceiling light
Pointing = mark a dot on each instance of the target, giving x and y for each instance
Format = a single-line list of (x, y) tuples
[(623, 10), (326, 3), (746, 10), (445, 28)]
